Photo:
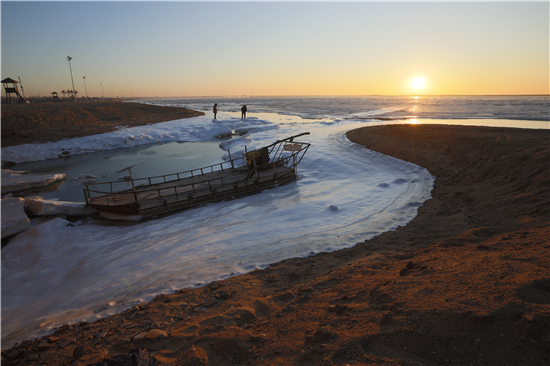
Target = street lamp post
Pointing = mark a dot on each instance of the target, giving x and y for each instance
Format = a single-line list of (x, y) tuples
[(84, 77), (69, 58)]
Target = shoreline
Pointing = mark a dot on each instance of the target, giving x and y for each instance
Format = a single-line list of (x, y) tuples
[(471, 266)]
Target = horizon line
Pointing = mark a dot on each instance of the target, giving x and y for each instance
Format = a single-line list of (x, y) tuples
[(347, 95)]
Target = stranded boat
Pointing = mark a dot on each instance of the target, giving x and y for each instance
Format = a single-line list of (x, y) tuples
[(256, 170)]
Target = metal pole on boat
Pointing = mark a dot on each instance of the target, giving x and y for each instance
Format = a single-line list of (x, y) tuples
[(231, 160)]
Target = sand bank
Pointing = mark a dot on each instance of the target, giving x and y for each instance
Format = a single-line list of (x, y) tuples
[(466, 282), (43, 122)]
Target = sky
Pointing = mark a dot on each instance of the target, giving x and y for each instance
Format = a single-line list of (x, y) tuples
[(183, 48)]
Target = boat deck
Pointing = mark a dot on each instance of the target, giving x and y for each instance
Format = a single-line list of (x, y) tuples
[(192, 191), (259, 169)]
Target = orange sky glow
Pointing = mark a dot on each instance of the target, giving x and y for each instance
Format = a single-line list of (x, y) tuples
[(184, 48)]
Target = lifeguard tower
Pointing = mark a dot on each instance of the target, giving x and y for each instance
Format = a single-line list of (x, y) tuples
[(12, 89)]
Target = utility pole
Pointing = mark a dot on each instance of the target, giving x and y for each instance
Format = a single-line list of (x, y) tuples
[(69, 58), (84, 77), (102, 96)]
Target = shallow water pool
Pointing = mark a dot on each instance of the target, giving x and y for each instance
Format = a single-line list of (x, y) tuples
[(106, 166)]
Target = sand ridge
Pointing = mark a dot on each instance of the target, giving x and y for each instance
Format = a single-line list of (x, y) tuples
[(467, 282), (43, 122)]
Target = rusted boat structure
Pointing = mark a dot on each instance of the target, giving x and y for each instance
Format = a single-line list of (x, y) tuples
[(254, 171)]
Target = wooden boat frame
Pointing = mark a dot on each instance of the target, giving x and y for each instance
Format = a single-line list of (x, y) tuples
[(256, 170)]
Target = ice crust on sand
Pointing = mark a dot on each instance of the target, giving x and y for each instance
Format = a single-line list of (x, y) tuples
[(184, 130)]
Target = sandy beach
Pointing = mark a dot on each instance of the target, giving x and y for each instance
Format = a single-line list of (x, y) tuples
[(43, 122), (467, 282)]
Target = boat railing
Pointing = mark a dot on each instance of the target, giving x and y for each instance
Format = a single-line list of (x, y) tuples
[(189, 190), (138, 186), (149, 181)]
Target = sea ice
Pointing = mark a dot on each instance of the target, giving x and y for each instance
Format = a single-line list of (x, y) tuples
[(15, 180), (14, 218), (41, 207)]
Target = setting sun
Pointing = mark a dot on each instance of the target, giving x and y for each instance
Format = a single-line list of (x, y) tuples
[(418, 82)]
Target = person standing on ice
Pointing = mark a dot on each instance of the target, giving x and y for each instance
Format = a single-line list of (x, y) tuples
[(215, 109), (243, 112)]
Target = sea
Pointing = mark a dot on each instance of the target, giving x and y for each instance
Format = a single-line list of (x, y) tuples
[(65, 270), (526, 108)]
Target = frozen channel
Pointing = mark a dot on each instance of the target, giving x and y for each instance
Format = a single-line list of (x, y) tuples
[(57, 273)]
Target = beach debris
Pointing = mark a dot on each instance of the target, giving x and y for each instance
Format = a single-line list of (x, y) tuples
[(84, 179), (85, 356), (137, 356), (138, 335), (227, 133), (141, 305), (14, 219), (156, 334), (222, 295), (197, 356)]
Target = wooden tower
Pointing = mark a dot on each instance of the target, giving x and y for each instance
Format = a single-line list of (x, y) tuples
[(12, 89)]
